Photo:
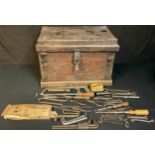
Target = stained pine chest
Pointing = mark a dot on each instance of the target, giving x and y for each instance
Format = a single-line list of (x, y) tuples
[(76, 55)]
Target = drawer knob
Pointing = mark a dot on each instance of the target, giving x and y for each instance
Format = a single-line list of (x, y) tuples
[(77, 60)]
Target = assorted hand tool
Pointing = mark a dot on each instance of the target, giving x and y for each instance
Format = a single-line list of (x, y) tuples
[(74, 105), (74, 120), (90, 124), (119, 105), (116, 93), (137, 112), (122, 119)]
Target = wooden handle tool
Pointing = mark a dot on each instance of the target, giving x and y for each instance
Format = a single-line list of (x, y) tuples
[(137, 112)]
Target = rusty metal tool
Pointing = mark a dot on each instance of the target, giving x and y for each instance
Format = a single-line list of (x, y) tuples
[(51, 103), (119, 105), (61, 100), (113, 101), (142, 120), (125, 96), (74, 120), (71, 91), (111, 117), (117, 90), (114, 119), (114, 93), (94, 102), (90, 124), (71, 108), (50, 97)]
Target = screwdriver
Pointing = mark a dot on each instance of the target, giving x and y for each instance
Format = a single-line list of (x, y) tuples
[(137, 112)]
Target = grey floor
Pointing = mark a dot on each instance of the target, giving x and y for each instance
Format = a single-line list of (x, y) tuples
[(18, 84)]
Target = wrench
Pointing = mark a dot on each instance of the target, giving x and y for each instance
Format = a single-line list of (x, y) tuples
[(142, 120)]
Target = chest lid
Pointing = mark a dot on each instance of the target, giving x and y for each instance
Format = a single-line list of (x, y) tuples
[(76, 38)]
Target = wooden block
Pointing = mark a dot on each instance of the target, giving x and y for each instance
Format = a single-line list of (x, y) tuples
[(28, 112)]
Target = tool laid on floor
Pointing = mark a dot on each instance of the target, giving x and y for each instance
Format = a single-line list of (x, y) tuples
[(64, 94), (138, 112), (116, 93), (63, 97), (143, 119), (109, 95), (119, 105), (74, 120), (67, 91), (113, 120), (32, 112), (90, 124)]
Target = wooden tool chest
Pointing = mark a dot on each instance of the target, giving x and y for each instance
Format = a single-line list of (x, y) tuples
[(76, 55)]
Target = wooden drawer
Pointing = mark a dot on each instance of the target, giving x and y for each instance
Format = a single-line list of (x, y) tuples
[(72, 56)]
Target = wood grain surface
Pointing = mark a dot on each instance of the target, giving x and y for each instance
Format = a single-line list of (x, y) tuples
[(62, 68), (69, 38)]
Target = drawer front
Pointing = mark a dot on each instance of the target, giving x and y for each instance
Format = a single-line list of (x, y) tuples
[(62, 66)]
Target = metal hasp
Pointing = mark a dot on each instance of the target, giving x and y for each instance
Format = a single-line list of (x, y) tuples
[(77, 60)]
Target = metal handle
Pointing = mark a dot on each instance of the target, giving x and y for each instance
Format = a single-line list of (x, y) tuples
[(77, 60)]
